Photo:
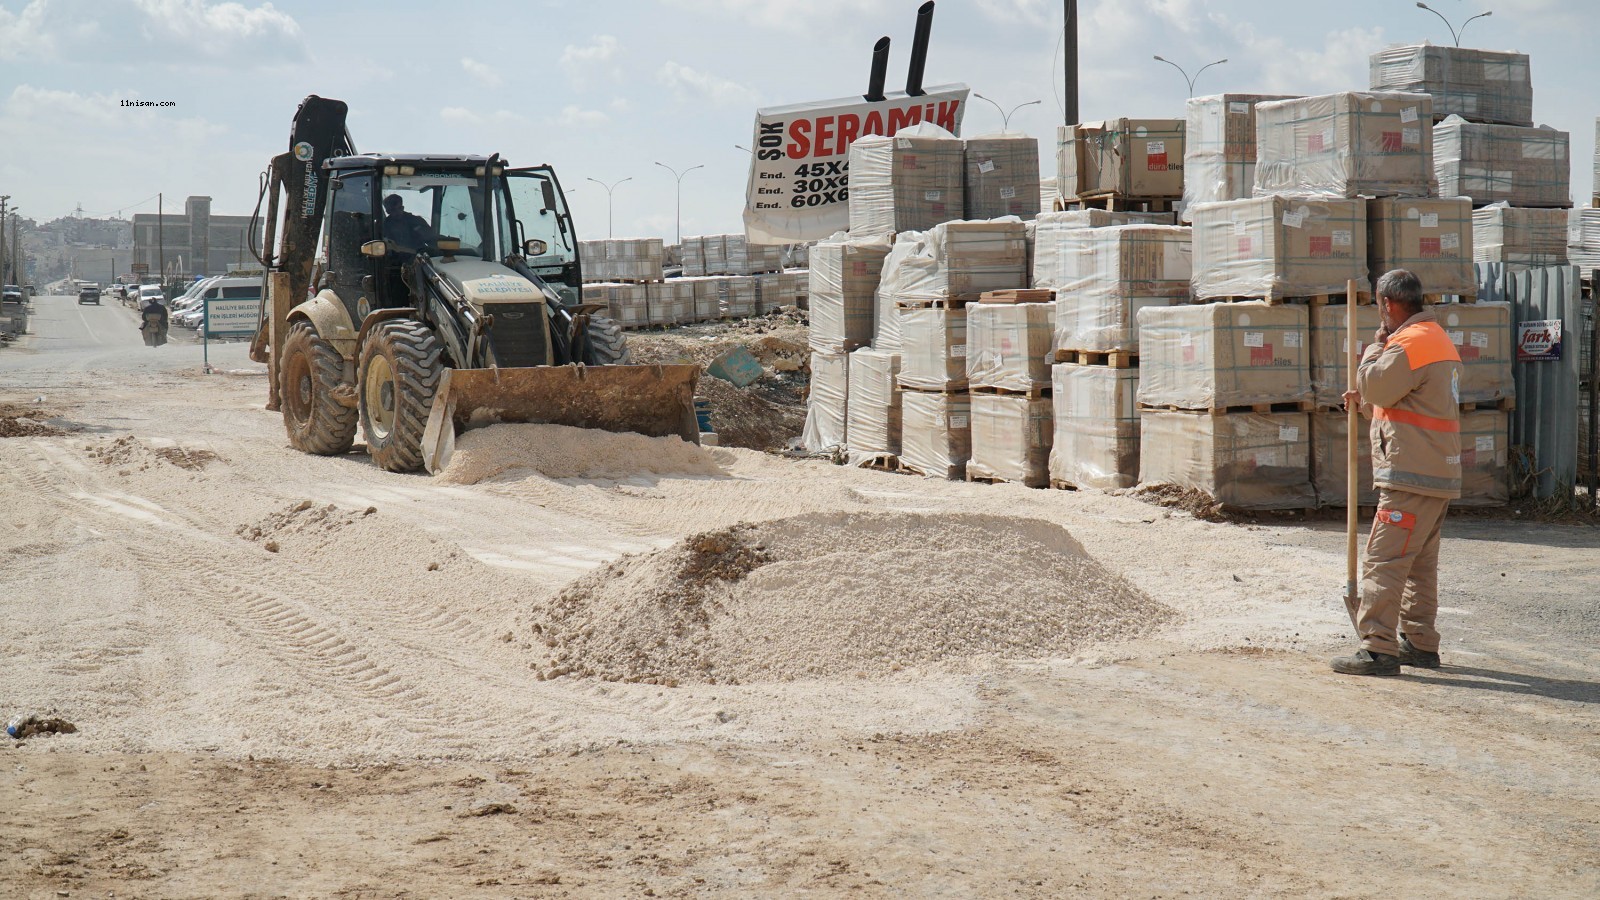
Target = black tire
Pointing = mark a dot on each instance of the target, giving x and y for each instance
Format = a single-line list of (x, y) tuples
[(401, 362), (309, 374), (608, 346)]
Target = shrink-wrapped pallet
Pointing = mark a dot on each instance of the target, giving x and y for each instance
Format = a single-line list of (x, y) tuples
[(716, 254), (1519, 238), (1054, 243), (1009, 345), (909, 182), (826, 416), (1329, 378), (1330, 459), (626, 304), (1256, 461), (1481, 333), (775, 290), (1002, 176), (1346, 145), (1221, 355), (1528, 167), (933, 349), (1132, 158), (1485, 459), (1583, 239), (1109, 274), (949, 264), (874, 408), (707, 299), (1278, 247), (1479, 85), (737, 297), (1432, 239), (935, 433), (1096, 441), (683, 300), (1219, 154), (1011, 436), (745, 258), (844, 288), (663, 310), (692, 255), (592, 256)]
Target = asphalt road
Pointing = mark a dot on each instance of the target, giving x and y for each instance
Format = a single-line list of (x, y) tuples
[(66, 337)]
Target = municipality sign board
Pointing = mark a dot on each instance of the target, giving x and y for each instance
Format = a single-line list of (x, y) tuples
[(799, 187), (233, 317)]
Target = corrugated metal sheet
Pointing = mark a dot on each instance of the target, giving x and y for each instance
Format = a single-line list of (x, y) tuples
[(1546, 417)]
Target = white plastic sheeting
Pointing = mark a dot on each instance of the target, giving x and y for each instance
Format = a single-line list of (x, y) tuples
[(1278, 247), (1219, 355), (1503, 163), (1256, 461), (909, 182), (1010, 345), (1109, 274), (1096, 441), (1346, 145), (1480, 85), (936, 433)]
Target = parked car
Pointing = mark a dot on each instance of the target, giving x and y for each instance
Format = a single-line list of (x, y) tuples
[(11, 293), (89, 295), (149, 293), (236, 288)]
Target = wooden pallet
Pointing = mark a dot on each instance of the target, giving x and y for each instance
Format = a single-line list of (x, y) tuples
[(1114, 203), (1363, 298), (1503, 404), (959, 473), (1115, 359), (884, 462), (992, 479), (1288, 406), (958, 388), (1059, 485), (941, 303), (1026, 295), (1034, 392)]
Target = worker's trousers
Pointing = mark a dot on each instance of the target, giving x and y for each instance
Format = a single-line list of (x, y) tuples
[(1400, 578)]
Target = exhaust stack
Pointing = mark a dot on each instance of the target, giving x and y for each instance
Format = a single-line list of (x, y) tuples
[(919, 50), (880, 71)]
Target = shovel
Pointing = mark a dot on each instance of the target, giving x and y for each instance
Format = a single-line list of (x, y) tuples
[(1352, 429)]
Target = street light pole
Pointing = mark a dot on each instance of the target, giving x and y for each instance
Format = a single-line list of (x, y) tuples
[(1005, 117), (679, 176), (609, 188), (3, 256), (1185, 74), (1455, 33)]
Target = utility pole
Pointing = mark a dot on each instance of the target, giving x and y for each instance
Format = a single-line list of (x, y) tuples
[(161, 244), (1069, 63), (17, 276), (3, 256), (679, 175)]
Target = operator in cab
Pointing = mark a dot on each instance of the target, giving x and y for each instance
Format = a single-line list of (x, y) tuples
[(408, 232)]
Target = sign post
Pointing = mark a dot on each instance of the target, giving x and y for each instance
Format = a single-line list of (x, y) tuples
[(227, 318)]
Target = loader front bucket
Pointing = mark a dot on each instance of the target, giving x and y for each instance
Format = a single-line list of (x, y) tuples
[(651, 400)]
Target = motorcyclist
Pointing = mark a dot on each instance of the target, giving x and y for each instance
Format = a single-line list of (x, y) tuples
[(153, 323)]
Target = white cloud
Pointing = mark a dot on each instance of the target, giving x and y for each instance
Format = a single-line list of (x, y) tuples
[(1341, 63), (576, 117), (816, 15), (460, 115), (1027, 12), (482, 71), (687, 82), (222, 30), (24, 32), (583, 63)]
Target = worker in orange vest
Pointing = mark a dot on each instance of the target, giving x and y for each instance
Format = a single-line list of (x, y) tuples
[(1410, 379)]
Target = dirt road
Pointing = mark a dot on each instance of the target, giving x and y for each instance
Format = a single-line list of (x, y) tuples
[(297, 676)]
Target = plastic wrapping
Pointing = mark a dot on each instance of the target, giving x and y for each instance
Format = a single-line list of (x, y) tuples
[(626, 304), (775, 290), (692, 256), (1480, 85), (1053, 240), (826, 418), (1583, 239), (874, 408), (659, 303), (1243, 460), (1096, 441), (1520, 238), (1485, 458), (909, 182), (1346, 145), (936, 433), (1219, 153), (1009, 345), (1482, 335), (1330, 460), (844, 286), (744, 258), (622, 259), (1528, 167), (949, 264), (1220, 355), (1011, 436), (1329, 380), (1109, 274), (707, 299), (1430, 238), (1278, 247), (1002, 176), (933, 349), (736, 297), (1140, 158)]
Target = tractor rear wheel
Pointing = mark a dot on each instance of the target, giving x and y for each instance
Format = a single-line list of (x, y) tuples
[(309, 374), (608, 346), (401, 362)]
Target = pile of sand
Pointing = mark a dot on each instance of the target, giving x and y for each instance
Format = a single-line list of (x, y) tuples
[(305, 517), (559, 451), (22, 421), (129, 450), (831, 594)]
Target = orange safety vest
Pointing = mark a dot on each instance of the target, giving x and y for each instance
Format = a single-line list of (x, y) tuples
[(1424, 343)]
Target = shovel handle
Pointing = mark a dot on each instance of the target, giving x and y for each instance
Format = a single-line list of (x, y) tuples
[(1352, 431)]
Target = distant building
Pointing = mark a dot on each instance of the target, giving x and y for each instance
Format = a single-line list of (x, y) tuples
[(195, 243)]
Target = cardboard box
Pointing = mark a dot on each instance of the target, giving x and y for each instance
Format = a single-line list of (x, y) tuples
[(1109, 274), (909, 182), (1478, 85), (936, 433), (1330, 460), (1219, 155), (1221, 355), (1583, 238), (1329, 378), (1432, 239), (1096, 443), (933, 349), (1485, 459), (1250, 461), (1527, 167), (1134, 158), (826, 406), (874, 408), (1055, 244), (1482, 334), (949, 264), (1346, 145), (1002, 177), (1009, 346), (1011, 436), (1520, 238), (1278, 247)]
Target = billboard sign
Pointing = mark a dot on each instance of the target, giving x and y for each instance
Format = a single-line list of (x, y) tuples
[(1539, 341), (234, 317)]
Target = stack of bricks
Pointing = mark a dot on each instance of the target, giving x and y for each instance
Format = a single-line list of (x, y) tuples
[(623, 260)]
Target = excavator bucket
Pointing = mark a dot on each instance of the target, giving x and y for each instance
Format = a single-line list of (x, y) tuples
[(650, 400)]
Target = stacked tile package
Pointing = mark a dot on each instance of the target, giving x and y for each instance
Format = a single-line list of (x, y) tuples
[(670, 302), (1485, 458), (1002, 176), (1221, 355), (623, 259), (1008, 345), (1096, 417), (1107, 275), (826, 425), (1329, 374), (1330, 459), (1219, 157), (1480, 85), (1011, 435), (707, 297), (949, 264), (692, 257), (1519, 238), (736, 297), (1055, 247), (1583, 239), (729, 254), (1481, 333), (873, 410), (1430, 238), (1521, 166), (1375, 144), (1243, 460), (933, 349), (626, 304), (935, 433), (1278, 247), (1131, 158), (909, 182), (775, 290)]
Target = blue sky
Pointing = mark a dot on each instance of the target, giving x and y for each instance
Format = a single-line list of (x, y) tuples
[(604, 89)]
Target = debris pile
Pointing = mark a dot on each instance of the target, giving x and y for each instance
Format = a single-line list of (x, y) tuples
[(128, 450)]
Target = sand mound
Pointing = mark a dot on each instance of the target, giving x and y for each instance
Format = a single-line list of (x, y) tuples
[(837, 594), (558, 451), (128, 450)]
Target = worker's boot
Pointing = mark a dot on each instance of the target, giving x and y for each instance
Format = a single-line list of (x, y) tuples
[(1365, 662), (1418, 659)]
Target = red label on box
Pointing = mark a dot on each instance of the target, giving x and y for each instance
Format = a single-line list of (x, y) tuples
[(908, 161), (1261, 356), (1321, 246), (1430, 248), (1467, 354), (1469, 458), (1158, 162), (1188, 353), (1392, 142), (1246, 247), (1314, 143)]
